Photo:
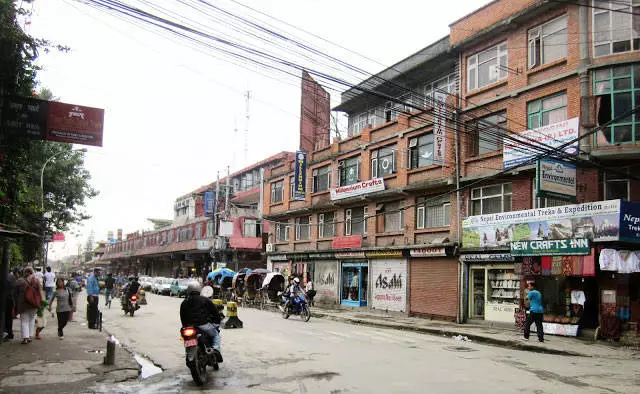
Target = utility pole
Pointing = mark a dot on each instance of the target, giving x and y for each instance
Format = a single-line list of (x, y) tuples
[(226, 196), (246, 128)]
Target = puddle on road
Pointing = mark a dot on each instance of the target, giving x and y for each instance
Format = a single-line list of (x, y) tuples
[(147, 367)]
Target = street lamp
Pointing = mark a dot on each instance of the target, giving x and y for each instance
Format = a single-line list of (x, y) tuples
[(83, 150)]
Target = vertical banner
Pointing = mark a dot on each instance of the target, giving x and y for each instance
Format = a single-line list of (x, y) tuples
[(439, 124), (390, 280), (209, 204), (300, 176)]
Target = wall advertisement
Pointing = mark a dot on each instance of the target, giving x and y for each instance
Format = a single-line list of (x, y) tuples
[(556, 179), (388, 285), (209, 204), (357, 189), (300, 176), (439, 124), (325, 282)]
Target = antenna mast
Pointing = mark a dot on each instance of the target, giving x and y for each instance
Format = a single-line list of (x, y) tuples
[(246, 128)]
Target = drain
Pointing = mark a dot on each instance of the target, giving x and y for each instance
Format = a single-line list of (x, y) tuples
[(96, 351), (459, 349)]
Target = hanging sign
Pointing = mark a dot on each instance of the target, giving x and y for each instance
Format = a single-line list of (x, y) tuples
[(209, 203), (551, 247), (556, 179), (439, 125), (300, 176)]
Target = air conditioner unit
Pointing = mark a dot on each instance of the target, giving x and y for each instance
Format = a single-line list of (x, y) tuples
[(270, 248)]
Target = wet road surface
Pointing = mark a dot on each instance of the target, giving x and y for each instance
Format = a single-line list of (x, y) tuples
[(289, 356)]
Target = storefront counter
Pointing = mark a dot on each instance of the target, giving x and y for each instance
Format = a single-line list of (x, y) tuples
[(499, 312)]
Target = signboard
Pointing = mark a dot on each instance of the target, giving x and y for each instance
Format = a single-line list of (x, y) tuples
[(357, 189), (551, 247), (556, 179), (325, 282), (487, 257), (24, 116), (119, 232), (278, 257), (373, 254), (203, 244), (630, 221), (389, 291), (439, 127), (225, 229), (553, 135), (349, 255), (597, 221), (300, 176), (347, 242), (75, 124), (58, 237), (428, 252), (209, 204)]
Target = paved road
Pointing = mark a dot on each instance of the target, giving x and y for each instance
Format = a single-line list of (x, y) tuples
[(275, 355)]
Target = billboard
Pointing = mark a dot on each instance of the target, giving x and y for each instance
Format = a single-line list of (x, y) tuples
[(75, 124), (209, 203), (300, 176), (556, 179), (24, 116), (439, 125), (553, 135)]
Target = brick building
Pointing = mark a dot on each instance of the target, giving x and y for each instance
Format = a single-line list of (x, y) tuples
[(519, 78)]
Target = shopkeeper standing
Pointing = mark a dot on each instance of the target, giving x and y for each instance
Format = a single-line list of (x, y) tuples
[(536, 312)]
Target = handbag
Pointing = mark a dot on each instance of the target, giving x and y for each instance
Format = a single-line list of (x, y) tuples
[(32, 296), (70, 298)]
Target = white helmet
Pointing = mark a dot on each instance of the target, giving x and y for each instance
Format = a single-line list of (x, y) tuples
[(296, 281), (193, 287)]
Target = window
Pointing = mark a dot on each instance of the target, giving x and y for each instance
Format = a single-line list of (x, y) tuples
[(282, 232), (383, 161), (393, 216), (251, 228), (491, 199), (487, 67), (169, 236), (548, 42), (486, 133), (321, 179), (303, 228), (615, 29), (326, 225), (277, 191), (618, 89), (548, 110), (432, 213), (355, 222), (198, 230), (616, 187), (210, 229), (291, 186), (446, 84), (421, 151), (349, 171), (544, 202)]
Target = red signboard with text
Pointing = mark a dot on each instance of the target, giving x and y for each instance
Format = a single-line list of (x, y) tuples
[(75, 124), (352, 241), (58, 237)]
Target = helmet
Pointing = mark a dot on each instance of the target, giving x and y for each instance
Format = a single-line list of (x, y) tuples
[(131, 278), (296, 281), (135, 278), (193, 287)]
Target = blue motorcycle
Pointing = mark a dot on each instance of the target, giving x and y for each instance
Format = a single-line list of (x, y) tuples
[(297, 306)]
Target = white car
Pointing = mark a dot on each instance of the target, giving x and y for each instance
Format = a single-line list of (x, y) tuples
[(156, 283), (164, 287)]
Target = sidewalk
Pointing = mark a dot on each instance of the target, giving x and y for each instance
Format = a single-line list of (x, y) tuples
[(61, 366), (483, 333)]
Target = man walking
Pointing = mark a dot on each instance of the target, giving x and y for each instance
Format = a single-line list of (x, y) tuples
[(108, 289), (49, 284), (536, 312), (11, 286), (93, 291)]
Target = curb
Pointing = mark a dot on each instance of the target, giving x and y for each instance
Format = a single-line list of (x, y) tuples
[(448, 332)]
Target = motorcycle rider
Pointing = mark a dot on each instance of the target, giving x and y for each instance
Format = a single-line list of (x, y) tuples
[(130, 288), (293, 291), (199, 311)]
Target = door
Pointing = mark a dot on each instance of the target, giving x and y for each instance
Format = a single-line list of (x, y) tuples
[(355, 284), (477, 293)]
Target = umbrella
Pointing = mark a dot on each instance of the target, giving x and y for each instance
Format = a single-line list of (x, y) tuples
[(246, 271), (260, 271)]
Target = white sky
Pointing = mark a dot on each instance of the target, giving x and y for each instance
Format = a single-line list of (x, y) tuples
[(170, 111)]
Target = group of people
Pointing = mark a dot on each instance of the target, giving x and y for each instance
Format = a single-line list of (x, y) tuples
[(25, 300)]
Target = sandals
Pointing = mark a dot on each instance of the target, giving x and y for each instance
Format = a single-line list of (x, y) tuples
[(24, 341)]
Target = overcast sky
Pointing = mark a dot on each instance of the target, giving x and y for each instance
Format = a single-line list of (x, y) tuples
[(171, 108)]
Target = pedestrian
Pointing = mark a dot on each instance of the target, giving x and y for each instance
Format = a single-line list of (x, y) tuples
[(27, 287), (39, 275), (536, 312), (64, 305), (93, 292), (41, 318), (49, 283), (11, 285), (108, 289), (75, 288), (309, 290)]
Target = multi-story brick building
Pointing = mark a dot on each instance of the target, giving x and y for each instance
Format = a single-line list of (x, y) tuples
[(520, 77)]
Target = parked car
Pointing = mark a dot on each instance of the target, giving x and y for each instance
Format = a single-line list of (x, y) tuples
[(146, 282), (164, 287), (156, 283), (178, 287)]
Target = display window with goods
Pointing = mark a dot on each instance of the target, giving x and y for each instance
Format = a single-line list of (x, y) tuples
[(354, 278), (494, 292)]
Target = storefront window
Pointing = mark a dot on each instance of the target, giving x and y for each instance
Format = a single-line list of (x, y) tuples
[(355, 277)]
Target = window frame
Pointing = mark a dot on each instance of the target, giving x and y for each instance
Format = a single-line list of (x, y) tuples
[(388, 212), (598, 9), (299, 226), (348, 221), (342, 170), (376, 157), (434, 86), (256, 228), (324, 224), (282, 231), (291, 184), (482, 198), (539, 114), (474, 134), (316, 176), (275, 187), (618, 179), (540, 37), (473, 65), (422, 213), (414, 151)]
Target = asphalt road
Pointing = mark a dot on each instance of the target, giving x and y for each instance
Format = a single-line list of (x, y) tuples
[(275, 355)]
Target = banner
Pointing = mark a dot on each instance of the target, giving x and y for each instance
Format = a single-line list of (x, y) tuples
[(553, 136), (439, 127), (300, 176), (596, 221), (325, 282), (552, 247), (630, 221), (358, 189), (389, 290), (209, 204), (556, 179)]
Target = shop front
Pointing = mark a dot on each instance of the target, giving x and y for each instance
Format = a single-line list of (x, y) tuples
[(354, 278), (433, 283), (325, 282), (389, 290)]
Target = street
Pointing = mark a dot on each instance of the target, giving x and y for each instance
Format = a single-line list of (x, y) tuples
[(272, 354)]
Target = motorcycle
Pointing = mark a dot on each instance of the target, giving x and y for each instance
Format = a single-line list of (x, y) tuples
[(297, 306), (199, 353), (130, 305)]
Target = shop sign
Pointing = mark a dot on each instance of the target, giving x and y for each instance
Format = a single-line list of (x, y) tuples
[(74, 124), (348, 242), (486, 258), (389, 291), (553, 136), (597, 221), (325, 282), (349, 255), (300, 176), (24, 116), (439, 124), (357, 189), (297, 257), (209, 204), (203, 244), (278, 257), (127, 253), (551, 247), (321, 256), (377, 254), (428, 252), (556, 179), (630, 222)]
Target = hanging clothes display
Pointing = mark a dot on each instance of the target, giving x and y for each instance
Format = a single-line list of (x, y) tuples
[(609, 260), (589, 264), (545, 263)]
